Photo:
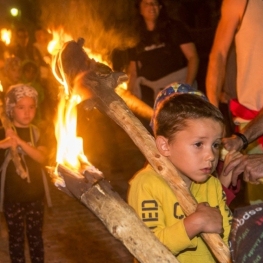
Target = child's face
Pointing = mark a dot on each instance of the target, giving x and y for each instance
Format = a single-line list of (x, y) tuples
[(14, 74), (24, 112), (195, 150)]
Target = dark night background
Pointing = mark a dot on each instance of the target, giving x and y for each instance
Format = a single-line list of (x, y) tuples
[(105, 24)]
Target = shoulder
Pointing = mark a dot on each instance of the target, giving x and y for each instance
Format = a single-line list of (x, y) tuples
[(147, 177), (213, 182), (233, 9), (212, 185), (36, 130)]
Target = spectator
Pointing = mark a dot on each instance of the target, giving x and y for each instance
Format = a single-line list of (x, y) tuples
[(31, 76), (41, 54), (22, 48), (11, 73), (241, 22), (164, 54)]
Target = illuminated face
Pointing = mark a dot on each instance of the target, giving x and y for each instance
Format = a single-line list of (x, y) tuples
[(22, 38), (150, 9), (14, 74), (24, 112), (195, 150)]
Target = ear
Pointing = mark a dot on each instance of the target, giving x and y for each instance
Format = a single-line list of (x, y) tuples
[(163, 145)]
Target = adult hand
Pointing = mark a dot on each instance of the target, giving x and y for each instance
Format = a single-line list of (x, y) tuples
[(232, 143), (251, 166), (226, 179)]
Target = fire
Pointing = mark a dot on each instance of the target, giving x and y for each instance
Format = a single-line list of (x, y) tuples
[(6, 36), (70, 147), (59, 37)]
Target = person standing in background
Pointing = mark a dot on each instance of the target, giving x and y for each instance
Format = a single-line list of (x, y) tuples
[(164, 54), (242, 23)]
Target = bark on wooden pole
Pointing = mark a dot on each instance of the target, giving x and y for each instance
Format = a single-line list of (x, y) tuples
[(119, 218), (96, 82)]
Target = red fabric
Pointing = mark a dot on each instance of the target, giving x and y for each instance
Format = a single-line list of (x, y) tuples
[(231, 191), (238, 110)]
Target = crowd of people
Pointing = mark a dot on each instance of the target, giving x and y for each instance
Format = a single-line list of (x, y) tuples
[(190, 128)]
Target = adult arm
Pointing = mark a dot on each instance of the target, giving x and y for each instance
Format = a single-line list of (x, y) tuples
[(189, 51), (251, 166), (252, 131), (231, 14)]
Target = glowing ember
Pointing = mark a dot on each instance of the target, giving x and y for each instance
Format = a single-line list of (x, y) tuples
[(6, 36)]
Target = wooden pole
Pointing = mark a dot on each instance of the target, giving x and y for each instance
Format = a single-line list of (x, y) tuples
[(96, 82), (118, 217)]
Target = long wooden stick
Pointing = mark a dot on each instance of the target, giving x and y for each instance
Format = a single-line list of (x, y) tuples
[(118, 217), (6, 123)]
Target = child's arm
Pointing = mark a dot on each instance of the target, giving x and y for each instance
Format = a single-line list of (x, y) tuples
[(36, 153), (205, 219), (7, 143)]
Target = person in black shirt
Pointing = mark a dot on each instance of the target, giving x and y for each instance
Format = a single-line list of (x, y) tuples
[(164, 54)]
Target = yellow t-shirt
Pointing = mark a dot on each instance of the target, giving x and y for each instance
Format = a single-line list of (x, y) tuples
[(158, 207)]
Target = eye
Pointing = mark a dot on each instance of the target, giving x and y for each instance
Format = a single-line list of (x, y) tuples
[(217, 145), (198, 144)]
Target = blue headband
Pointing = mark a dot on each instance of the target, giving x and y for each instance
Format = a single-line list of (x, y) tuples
[(167, 93)]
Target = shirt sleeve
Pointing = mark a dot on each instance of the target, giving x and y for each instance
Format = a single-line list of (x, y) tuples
[(151, 198)]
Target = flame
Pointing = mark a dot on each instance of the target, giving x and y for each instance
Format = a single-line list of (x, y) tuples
[(70, 147), (6, 36), (59, 37)]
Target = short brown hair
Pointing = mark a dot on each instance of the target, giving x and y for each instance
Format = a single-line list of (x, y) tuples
[(175, 111)]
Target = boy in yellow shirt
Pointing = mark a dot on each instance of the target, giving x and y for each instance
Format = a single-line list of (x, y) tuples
[(188, 131)]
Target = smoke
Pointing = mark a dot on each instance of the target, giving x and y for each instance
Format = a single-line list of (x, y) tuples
[(104, 24)]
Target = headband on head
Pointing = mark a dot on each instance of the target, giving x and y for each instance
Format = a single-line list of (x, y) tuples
[(17, 92), (171, 91)]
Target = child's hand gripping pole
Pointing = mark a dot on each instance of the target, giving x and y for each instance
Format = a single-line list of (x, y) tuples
[(13, 151)]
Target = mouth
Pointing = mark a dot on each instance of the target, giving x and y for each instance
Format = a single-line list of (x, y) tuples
[(207, 170)]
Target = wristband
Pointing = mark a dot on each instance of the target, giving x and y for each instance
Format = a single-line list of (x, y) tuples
[(243, 138)]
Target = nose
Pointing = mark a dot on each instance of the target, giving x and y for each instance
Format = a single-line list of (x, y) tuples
[(210, 155), (27, 112)]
